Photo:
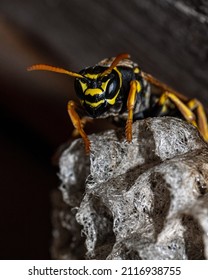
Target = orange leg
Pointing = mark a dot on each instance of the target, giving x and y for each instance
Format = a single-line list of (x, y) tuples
[(78, 124), (135, 87), (84, 121), (184, 109), (193, 104), (152, 80), (201, 117)]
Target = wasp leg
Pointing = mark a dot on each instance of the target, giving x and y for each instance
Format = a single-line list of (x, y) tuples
[(135, 87), (152, 80), (201, 117), (84, 121), (184, 109), (78, 124)]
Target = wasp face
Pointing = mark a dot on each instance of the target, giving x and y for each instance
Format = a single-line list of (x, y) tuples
[(96, 92)]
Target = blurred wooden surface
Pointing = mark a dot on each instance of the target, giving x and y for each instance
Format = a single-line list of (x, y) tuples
[(168, 38)]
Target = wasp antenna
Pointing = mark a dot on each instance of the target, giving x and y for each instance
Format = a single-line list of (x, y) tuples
[(53, 69), (115, 62)]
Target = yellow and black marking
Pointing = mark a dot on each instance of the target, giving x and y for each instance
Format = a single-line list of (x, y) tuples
[(117, 85), (97, 92)]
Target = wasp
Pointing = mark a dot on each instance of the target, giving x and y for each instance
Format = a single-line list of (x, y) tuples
[(117, 88)]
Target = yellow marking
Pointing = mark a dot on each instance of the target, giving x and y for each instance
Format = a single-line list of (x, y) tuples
[(113, 100), (94, 104), (97, 91), (104, 85), (120, 76), (164, 109), (138, 88), (83, 85), (192, 104), (136, 70), (92, 76), (93, 91), (162, 99)]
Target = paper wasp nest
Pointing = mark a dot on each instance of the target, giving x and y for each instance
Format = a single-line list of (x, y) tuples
[(142, 200)]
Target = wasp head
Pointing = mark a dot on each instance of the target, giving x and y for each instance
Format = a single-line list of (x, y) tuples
[(97, 87), (97, 92)]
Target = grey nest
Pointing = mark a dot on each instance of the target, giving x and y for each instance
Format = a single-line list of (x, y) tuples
[(142, 200)]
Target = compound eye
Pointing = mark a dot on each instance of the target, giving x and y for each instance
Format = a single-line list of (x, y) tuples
[(111, 88)]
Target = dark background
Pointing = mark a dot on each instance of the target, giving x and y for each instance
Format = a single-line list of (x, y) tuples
[(168, 39)]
